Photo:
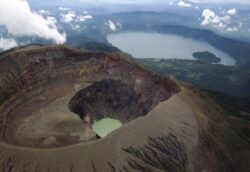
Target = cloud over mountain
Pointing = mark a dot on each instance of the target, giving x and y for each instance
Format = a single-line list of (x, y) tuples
[(220, 21), (7, 43), (68, 17), (111, 25), (71, 16), (18, 18), (209, 17)]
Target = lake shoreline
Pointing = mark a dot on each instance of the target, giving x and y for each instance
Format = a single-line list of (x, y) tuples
[(164, 46)]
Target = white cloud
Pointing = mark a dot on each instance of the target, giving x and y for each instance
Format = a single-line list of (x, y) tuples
[(194, 1), (83, 18), (184, 4), (69, 17), (240, 24), (220, 22), (210, 18), (76, 27), (119, 24), (232, 11), (64, 9), (18, 18), (232, 29), (6, 44), (111, 25), (42, 11), (52, 20), (221, 25)]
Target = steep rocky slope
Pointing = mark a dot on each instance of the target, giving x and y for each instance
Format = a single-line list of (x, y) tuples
[(50, 96)]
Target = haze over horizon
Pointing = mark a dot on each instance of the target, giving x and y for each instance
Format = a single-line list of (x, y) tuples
[(152, 1)]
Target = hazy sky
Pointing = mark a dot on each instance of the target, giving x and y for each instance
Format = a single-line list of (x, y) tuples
[(214, 1), (148, 1)]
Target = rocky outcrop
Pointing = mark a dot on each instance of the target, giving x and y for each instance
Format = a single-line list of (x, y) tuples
[(112, 98)]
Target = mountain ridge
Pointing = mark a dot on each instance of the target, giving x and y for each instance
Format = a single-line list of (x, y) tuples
[(168, 120)]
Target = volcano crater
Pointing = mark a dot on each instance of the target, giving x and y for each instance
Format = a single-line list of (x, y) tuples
[(51, 96)]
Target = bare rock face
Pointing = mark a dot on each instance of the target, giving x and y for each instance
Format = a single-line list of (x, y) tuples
[(50, 96), (112, 98)]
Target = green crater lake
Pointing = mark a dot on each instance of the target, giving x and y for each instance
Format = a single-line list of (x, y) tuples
[(106, 126)]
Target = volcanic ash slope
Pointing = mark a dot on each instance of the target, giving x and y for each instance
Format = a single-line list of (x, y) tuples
[(51, 95)]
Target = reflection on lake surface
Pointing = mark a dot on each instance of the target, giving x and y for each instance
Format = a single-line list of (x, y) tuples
[(165, 46), (106, 126)]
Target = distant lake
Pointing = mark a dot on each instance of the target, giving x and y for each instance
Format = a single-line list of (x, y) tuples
[(164, 46)]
